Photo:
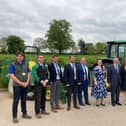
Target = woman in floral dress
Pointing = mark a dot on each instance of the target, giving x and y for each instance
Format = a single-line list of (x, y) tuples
[(98, 88)]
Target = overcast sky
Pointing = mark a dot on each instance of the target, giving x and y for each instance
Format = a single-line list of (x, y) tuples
[(92, 20)]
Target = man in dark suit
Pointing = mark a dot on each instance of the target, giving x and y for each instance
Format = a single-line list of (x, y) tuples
[(85, 80), (56, 82), (71, 78), (115, 81)]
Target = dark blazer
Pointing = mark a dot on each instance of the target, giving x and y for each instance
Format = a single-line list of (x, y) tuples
[(81, 74), (69, 74), (53, 74), (42, 72), (113, 76)]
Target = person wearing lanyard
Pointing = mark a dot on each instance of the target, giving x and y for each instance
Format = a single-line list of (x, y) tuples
[(40, 75), (55, 81), (85, 80), (20, 74)]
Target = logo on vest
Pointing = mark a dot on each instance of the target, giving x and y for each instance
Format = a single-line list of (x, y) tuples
[(23, 74)]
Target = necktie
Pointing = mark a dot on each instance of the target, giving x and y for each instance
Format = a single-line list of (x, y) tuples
[(57, 69), (41, 65), (85, 73), (74, 69)]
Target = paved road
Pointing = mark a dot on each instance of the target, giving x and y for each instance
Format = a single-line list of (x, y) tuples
[(86, 116)]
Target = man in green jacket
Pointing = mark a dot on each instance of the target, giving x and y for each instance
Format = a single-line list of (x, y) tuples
[(40, 75)]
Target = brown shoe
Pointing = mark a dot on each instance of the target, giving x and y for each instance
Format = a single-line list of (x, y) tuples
[(54, 110), (59, 108), (26, 116), (15, 120), (38, 116), (45, 113)]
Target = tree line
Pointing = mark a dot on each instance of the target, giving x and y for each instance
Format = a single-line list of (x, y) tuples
[(58, 39)]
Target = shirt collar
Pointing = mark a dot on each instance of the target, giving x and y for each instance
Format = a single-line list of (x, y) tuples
[(19, 62)]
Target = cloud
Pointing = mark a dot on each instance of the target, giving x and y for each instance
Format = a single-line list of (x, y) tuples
[(92, 20)]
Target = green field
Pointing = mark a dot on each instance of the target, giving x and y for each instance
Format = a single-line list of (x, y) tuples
[(6, 59)]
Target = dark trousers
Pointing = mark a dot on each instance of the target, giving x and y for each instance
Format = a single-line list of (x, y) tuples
[(19, 93), (83, 88), (72, 89), (43, 98), (115, 93), (40, 98)]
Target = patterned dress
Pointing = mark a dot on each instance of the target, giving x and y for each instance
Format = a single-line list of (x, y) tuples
[(99, 91)]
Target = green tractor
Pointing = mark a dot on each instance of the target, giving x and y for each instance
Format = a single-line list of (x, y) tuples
[(114, 49)]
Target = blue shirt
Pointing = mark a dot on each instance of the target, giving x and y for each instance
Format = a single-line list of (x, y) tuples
[(57, 71), (12, 68)]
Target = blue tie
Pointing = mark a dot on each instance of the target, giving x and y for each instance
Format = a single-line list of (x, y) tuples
[(85, 72), (57, 68)]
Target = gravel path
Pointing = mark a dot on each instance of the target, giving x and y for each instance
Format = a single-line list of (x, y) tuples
[(86, 116)]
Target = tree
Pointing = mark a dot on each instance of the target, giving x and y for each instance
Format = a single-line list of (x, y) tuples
[(3, 45), (40, 43), (90, 49), (100, 46), (59, 36), (14, 43), (81, 44)]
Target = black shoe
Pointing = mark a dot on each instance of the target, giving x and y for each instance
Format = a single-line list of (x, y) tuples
[(113, 104), (76, 107), (88, 103), (45, 113), (97, 105), (26, 116), (119, 104), (15, 120), (82, 104)]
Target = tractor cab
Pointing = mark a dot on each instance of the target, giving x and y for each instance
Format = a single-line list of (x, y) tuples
[(115, 49)]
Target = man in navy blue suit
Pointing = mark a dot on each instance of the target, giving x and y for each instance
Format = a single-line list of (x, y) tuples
[(85, 80), (115, 81), (71, 78)]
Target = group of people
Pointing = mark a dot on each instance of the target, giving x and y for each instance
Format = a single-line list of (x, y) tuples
[(76, 78)]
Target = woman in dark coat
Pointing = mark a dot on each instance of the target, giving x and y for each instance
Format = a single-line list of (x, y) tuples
[(123, 79)]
